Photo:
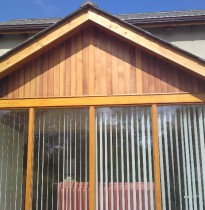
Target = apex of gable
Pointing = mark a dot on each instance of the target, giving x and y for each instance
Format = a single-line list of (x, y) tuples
[(88, 3)]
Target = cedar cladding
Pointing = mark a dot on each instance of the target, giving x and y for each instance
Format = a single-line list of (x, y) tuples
[(93, 62)]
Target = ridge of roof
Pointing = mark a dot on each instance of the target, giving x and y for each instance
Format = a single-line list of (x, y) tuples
[(125, 17)]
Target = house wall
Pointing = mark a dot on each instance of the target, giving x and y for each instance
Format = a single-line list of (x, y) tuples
[(9, 41), (93, 62), (189, 38)]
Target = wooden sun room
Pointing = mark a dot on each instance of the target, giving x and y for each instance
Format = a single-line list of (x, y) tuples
[(97, 114)]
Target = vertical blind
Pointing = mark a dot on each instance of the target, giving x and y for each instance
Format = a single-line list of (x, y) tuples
[(13, 145), (124, 160), (60, 174), (182, 157)]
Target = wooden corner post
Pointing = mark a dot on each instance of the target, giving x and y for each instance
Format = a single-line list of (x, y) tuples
[(29, 170), (92, 158), (158, 200)]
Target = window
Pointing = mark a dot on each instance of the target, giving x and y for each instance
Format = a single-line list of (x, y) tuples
[(60, 172), (13, 147), (147, 157), (182, 156), (124, 160)]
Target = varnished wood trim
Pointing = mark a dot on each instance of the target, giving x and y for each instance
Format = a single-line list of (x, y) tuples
[(92, 158), (157, 188), (137, 37), (46, 39), (147, 42), (103, 100), (29, 170)]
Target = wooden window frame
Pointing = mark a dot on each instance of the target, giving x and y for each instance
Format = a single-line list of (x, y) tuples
[(93, 102)]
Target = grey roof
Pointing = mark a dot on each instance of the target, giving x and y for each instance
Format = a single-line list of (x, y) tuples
[(101, 11), (31, 21), (172, 14), (132, 18)]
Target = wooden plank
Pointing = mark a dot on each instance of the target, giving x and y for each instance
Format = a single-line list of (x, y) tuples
[(73, 67), (170, 78), (163, 77), (16, 85), (114, 67), (45, 61), (85, 70), (62, 70), (156, 161), (38, 77), (68, 68), (91, 62), (103, 70), (97, 64), (92, 158), (4, 87), (109, 64), (126, 59), (56, 84), (79, 65), (27, 79), (138, 71), (151, 74), (157, 76), (50, 74), (119, 28), (120, 68), (145, 76), (29, 169), (133, 77), (33, 47), (10, 85), (33, 79), (176, 80), (21, 82), (104, 100), (149, 43)]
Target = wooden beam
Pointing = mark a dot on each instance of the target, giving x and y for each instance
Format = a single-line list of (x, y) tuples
[(46, 39), (148, 42), (92, 158), (29, 170), (157, 182), (103, 101)]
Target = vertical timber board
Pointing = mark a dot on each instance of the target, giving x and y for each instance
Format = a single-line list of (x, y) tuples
[(158, 200), (29, 170), (91, 57), (138, 71), (92, 193), (79, 65)]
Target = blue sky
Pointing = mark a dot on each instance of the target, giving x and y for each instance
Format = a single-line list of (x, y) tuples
[(18, 9)]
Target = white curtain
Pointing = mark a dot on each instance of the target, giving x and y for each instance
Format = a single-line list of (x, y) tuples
[(60, 175), (13, 142), (182, 157), (124, 162)]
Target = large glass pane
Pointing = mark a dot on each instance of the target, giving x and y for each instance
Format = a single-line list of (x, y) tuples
[(13, 147), (182, 156), (60, 175), (124, 159)]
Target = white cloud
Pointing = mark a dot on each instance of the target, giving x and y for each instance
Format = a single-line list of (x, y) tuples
[(45, 6)]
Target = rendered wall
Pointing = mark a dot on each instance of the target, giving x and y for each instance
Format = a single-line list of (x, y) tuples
[(189, 38)]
